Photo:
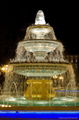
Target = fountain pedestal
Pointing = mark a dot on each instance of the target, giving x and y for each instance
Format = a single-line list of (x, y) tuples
[(39, 89)]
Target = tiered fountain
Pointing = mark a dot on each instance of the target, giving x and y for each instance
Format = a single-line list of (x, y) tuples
[(39, 75)]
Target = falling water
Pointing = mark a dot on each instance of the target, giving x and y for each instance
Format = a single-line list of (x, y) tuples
[(71, 86)]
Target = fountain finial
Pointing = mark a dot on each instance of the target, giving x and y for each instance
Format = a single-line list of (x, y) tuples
[(40, 19)]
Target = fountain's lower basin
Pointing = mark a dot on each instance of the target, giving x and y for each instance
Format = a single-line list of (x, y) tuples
[(63, 83), (21, 101)]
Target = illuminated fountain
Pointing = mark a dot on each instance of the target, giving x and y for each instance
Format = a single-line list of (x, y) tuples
[(39, 74)]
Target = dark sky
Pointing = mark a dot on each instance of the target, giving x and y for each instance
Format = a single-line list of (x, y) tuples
[(16, 16)]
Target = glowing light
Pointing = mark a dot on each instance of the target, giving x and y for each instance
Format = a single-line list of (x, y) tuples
[(61, 77), (6, 68), (5, 105), (36, 96), (3, 69), (55, 76)]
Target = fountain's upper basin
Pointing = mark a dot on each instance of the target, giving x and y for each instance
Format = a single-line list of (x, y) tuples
[(41, 45)]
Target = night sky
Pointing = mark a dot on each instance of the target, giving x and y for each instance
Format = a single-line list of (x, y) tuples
[(16, 16)]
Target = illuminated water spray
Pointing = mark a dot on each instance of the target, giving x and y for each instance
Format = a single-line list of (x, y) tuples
[(40, 19)]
